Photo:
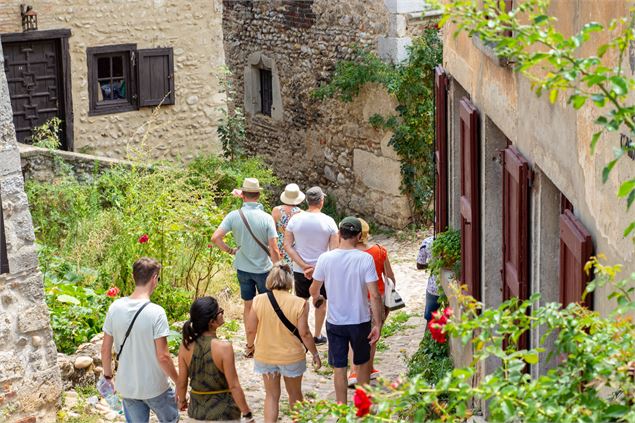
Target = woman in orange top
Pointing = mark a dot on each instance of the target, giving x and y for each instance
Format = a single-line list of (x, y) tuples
[(277, 350), (382, 266)]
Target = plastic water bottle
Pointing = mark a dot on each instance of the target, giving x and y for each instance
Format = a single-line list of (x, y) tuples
[(106, 390)]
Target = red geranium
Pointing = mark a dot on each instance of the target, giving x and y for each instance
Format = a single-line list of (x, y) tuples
[(144, 238), (437, 324), (362, 402), (113, 292)]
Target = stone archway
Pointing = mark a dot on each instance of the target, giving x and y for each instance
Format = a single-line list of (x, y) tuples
[(30, 384)]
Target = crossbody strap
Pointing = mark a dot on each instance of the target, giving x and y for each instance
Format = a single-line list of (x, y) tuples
[(130, 329), (246, 222), (276, 307)]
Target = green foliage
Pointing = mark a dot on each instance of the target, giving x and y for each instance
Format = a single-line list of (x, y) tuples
[(231, 129), (412, 83), (446, 252), (47, 134), (591, 380), (89, 233), (558, 64), (431, 361)]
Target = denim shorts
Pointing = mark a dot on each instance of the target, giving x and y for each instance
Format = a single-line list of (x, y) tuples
[(249, 282), (341, 336), (164, 406), (287, 370)]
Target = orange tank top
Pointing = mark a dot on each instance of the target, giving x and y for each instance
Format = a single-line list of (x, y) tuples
[(379, 256)]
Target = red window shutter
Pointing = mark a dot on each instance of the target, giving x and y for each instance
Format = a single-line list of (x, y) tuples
[(515, 225), (470, 199), (509, 5), (4, 259), (156, 76), (441, 150), (576, 248)]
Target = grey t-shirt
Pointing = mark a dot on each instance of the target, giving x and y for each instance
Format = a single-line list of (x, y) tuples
[(139, 375)]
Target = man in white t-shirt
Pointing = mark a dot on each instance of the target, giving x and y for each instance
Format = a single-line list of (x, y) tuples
[(350, 278), (144, 361), (309, 235)]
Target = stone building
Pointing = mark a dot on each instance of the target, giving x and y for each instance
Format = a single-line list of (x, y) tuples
[(279, 52), (518, 177), (30, 384), (102, 68)]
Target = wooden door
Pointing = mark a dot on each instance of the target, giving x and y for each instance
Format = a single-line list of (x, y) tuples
[(576, 248), (470, 199), (33, 70), (441, 150)]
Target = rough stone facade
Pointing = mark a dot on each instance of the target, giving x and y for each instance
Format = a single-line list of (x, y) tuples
[(30, 383), (309, 141), (192, 28)]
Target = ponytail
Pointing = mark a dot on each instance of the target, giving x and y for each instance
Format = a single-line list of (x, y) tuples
[(202, 311)]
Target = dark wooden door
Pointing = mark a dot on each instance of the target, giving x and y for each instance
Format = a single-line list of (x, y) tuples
[(33, 71), (441, 150), (470, 199), (515, 225), (4, 259), (576, 248)]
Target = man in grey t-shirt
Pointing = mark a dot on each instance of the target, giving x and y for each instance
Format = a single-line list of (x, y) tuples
[(145, 362)]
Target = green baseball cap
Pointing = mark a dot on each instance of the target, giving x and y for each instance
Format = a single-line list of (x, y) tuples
[(351, 223)]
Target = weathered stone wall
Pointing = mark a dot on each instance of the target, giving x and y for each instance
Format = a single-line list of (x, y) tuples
[(192, 28), (40, 164), (309, 141), (30, 384)]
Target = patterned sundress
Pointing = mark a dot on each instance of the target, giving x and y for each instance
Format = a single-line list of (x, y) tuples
[(282, 225), (215, 401)]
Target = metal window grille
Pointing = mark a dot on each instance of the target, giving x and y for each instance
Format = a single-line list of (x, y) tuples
[(4, 259), (266, 92)]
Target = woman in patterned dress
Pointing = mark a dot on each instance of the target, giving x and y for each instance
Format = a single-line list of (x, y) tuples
[(291, 198), (208, 364)]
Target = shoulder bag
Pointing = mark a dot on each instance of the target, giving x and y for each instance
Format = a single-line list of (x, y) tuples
[(118, 354), (392, 299), (276, 307), (246, 222)]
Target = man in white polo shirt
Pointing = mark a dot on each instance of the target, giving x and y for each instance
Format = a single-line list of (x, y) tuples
[(350, 279), (308, 235)]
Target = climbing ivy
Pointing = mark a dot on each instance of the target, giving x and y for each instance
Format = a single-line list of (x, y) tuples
[(412, 84)]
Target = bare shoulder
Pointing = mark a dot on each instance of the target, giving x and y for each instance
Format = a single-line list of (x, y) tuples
[(222, 346)]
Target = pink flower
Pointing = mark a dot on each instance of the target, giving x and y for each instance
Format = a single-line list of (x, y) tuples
[(144, 238), (237, 192), (448, 312), (362, 402), (113, 292)]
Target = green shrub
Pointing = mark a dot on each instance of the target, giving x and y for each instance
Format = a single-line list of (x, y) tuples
[(446, 252), (431, 361)]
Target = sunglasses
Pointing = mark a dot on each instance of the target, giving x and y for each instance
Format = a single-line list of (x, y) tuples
[(218, 313)]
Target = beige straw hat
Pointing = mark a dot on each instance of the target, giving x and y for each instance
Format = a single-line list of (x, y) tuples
[(251, 185), (292, 195)]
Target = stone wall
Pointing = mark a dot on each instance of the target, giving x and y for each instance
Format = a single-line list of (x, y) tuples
[(44, 165), (30, 384), (192, 28), (309, 141)]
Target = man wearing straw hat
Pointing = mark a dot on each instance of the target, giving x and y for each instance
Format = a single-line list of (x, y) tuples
[(255, 233)]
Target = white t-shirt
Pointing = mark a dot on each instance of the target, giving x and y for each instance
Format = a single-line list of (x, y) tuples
[(139, 375), (311, 233), (345, 274)]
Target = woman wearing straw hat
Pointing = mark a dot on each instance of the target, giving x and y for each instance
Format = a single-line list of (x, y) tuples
[(290, 198)]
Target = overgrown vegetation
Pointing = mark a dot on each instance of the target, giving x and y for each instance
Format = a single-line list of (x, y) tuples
[(47, 134), (91, 233), (395, 323), (446, 252), (412, 83)]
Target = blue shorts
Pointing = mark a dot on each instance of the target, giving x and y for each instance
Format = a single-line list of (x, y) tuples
[(340, 336), (164, 406), (249, 282), (287, 370)]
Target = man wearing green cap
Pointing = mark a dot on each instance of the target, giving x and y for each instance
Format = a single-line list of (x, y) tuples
[(350, 278)]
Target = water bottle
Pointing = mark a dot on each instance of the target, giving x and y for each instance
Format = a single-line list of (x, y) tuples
[(106, 390)]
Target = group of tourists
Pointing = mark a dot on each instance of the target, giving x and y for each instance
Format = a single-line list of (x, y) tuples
[(286, 263)]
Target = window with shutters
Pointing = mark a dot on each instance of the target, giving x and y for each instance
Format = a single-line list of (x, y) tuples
[(4, 259), (576, 248), (122, 78), (266, 93), (441, 151)]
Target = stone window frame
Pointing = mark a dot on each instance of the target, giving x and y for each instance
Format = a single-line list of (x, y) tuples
[(252, 101)]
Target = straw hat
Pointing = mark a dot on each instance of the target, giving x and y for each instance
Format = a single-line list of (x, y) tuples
[(292, 195), (251, 185), (365, 230)]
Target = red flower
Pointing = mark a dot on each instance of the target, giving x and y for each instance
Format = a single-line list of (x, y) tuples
[(437, 324), (113, 292), (448, 312), (210, 246), (144, 238), (362, 402)]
